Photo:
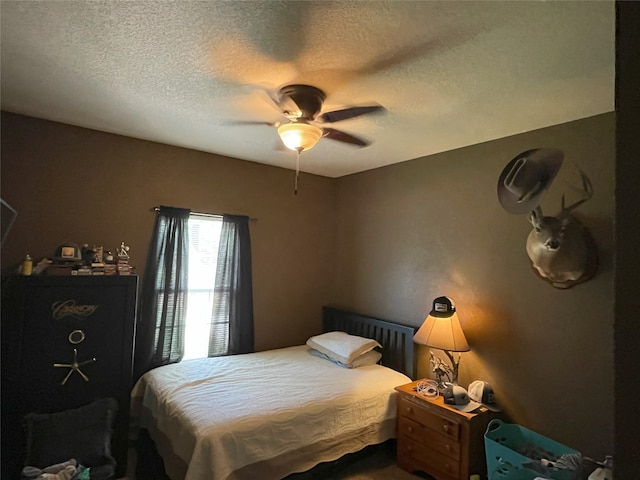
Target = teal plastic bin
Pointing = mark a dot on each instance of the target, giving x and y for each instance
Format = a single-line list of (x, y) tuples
[(509, 448), (506, 471)]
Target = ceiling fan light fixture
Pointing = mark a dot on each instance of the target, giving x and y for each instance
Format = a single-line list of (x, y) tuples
[(299, 136)]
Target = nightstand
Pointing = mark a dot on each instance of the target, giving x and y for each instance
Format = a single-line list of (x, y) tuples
[(437, 439)]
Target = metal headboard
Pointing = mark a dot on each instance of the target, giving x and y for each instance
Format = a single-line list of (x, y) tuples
[(396, 339)]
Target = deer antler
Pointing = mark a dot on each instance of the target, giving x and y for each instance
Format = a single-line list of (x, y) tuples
[(587, 191)]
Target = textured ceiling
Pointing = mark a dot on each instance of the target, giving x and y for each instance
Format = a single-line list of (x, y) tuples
[(450, 74)]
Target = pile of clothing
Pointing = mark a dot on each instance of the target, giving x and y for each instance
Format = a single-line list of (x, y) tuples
[(69, 470)]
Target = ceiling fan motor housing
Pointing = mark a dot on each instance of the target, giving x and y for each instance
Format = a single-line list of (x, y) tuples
[(308, 99)]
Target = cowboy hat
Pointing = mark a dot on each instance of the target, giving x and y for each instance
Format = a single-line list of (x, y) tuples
[(525, 179)]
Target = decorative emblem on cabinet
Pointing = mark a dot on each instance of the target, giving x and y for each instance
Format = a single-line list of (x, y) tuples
[(74, 366), (69, 308)]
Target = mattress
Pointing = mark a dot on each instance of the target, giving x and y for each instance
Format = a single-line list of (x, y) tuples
[(262, 415)]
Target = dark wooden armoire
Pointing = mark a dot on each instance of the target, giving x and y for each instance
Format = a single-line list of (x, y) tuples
[(50, 323)]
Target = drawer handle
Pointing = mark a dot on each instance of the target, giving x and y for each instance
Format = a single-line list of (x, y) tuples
[(447, 467), (447, 447), (446, 428), (410, 429)]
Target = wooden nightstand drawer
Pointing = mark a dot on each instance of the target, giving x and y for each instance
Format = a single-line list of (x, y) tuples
[(427, 459), (415, 431), (426, 415), (438, 439)]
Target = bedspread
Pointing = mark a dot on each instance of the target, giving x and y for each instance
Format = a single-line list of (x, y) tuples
[(276, 412)]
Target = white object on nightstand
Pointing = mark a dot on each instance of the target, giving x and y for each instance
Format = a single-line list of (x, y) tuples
[(604, 471)]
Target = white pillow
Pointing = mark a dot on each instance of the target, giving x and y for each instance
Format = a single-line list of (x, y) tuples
[(371, 357), (341, 346)]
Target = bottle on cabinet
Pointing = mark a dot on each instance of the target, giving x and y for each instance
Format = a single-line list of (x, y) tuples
[(27, 266)]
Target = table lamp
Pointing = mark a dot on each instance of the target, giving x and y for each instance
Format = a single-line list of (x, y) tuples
[(441, 329)]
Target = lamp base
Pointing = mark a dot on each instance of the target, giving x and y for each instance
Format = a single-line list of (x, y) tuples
[(442, 386), (446, 374)]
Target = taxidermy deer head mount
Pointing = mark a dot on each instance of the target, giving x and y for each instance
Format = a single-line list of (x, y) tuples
[(560, 248)]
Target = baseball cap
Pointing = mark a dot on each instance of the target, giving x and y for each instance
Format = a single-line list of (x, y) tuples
[(443, 307), (482, 392), (457, 397)]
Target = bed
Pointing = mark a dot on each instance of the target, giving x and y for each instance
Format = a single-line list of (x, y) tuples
[(270, 414)]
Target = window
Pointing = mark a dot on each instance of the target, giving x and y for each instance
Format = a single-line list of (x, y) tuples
[(204, 236)]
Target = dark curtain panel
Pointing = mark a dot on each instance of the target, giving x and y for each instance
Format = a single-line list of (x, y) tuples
[(163, 300), (232, 317)]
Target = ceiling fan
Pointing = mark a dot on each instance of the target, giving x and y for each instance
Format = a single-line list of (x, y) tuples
[(301, 105)]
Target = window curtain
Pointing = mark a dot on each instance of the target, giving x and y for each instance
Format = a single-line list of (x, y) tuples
[(233, 305), (163, 301)]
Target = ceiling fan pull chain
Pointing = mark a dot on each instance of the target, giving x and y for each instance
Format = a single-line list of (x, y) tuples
[(295, 186)]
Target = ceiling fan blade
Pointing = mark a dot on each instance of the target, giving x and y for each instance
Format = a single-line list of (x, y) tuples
[(338, 115), (283, 105), (250, 122), (289, 108), (272, 99), (340, 136)]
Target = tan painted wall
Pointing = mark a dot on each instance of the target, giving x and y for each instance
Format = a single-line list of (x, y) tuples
[(402, 236), (421, 229), (84, 186)]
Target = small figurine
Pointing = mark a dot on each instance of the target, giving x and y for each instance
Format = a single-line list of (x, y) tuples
[(99, 254), (441, 370), (123, 251)]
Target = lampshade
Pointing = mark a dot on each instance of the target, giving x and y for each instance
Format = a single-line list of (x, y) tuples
[(441, 329), (299, 136)]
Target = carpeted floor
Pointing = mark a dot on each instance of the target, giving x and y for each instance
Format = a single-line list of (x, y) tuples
[(373, 463)]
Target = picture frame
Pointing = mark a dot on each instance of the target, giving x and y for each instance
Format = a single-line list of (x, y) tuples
[(67, 252)]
